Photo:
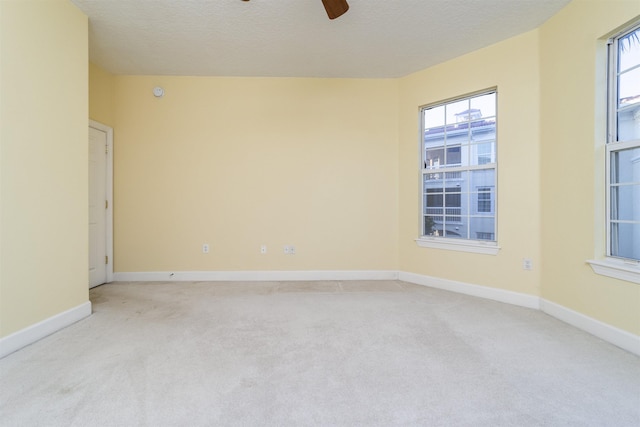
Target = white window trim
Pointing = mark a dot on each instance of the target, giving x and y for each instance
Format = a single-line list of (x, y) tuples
[(617, 269), (461, 245)]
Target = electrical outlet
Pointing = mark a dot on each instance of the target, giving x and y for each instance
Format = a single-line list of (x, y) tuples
[(527, 264), (286, 250), (205, 248), (263, 249), (292, 250)]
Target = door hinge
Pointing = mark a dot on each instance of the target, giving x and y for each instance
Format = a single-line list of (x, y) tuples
[(106, 259), (106, 204), (106, 149)]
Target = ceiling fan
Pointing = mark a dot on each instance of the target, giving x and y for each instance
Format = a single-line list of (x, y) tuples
[(335, 8)]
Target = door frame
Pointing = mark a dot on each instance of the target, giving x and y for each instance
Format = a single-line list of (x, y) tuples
[(109, 194)]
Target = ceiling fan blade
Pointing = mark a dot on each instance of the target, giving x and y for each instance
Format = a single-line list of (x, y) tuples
[(335, 8)]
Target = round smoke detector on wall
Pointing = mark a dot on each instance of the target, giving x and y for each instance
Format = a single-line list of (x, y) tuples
[(158, 92)]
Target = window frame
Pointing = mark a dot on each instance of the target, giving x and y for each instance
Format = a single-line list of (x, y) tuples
[(609, 265), (489, 247)]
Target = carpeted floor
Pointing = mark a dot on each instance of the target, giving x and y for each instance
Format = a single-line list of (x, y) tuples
[(382, 353)]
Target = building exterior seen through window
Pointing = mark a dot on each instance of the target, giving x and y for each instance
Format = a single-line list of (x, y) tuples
[(623, 146), (459, 168)]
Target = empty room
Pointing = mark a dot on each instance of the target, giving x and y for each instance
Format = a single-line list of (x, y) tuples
[(319, 213)]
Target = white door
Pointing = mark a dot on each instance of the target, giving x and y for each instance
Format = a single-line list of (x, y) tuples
[(97, 207)]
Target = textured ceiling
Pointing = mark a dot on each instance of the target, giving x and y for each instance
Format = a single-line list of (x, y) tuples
[(294, 38)]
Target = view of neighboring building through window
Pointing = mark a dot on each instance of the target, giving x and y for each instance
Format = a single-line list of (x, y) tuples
[(623, 147), (459, 168)]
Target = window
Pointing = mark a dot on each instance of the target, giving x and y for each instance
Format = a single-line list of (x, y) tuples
[(459, 170), (623, 146)]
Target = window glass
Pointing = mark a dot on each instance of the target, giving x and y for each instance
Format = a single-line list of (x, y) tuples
[(623, 147), (459, 168)]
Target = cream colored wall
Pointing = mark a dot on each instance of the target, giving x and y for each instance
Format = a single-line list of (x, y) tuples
[(512, 67), (241, 162), (43, 172), (101, 93), (572, 122)]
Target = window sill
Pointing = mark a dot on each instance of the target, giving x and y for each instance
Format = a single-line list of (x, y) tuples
[(486, 248), (617, 268)]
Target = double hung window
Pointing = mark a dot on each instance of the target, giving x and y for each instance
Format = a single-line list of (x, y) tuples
[(623, 146), (459, 169)]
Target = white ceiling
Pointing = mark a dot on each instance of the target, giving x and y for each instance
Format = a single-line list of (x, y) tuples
[(295, 38)]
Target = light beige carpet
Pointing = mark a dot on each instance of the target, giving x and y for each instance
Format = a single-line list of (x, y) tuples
[(382, 353)]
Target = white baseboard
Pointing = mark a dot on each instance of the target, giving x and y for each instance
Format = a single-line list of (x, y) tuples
[(509, 297), (33, 333), (252, 276), (611, 334)]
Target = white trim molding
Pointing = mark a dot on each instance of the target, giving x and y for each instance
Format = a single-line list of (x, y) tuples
[(611, 334), (33, 333), (474, 246), (253, 276), (618, 269), (509, 297)]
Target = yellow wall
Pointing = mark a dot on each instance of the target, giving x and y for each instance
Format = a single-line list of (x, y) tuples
[(512, 67), (572, 140), (43, 172), (240, 162), (101, 93)]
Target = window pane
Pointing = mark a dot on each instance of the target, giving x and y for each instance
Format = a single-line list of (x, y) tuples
[(482, 178), (625, 166), (453, 200), (434, 138), (629, 88), (434, 200), (434, 158), (456, 179), (431, 223), (451, 219), (483, 228), (482, 154), (458, 112), (627, 127), (434, 117), (483, 106), (625, 240), (433, 185), (628, 103), (430, 179), (625, 203), (433, 204), (456, 230), (482, 131), (629, 51), (454, 156)]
